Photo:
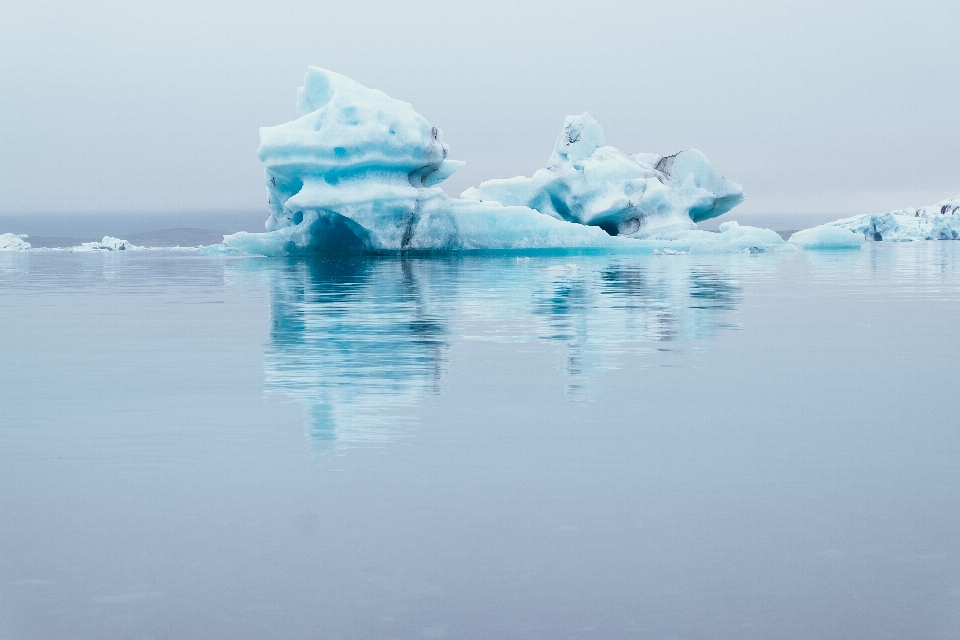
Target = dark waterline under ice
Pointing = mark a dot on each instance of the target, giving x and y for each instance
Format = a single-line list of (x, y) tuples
[(678, 446)]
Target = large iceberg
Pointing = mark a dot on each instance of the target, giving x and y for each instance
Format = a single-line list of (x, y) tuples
[(935, 222), (643, 195), (357, 171)]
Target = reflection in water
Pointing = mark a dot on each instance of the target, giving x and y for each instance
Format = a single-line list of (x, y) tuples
[(623, 307), (356, 340)]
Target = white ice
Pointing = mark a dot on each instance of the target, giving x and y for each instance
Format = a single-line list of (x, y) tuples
[(107, 244), (355, 172), (13, 242), (936, 222), (827, 237), (643, 195)]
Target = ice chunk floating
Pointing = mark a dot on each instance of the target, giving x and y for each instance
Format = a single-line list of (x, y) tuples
[(357, 171)]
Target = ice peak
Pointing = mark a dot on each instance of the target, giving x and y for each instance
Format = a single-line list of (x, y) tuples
[(580, 137), (317, 89), (343, 129)]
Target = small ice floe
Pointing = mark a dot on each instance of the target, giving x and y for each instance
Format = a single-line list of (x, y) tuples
[(13, 242), (827, 237), (216, 250), (668, 252), (108, 243)]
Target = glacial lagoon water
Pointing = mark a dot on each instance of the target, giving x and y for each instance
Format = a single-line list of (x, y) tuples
[(567, 446)]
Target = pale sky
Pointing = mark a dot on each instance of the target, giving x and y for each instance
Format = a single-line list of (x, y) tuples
[(819, 109)]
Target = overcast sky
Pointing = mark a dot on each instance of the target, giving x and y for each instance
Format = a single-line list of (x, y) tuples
[(820, 109)]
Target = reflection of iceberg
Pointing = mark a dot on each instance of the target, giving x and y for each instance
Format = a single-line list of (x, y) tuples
[(631, 306), (357, 171), (355, 341), (361, 342)]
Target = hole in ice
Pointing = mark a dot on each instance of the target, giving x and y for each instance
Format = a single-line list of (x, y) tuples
[(298, 217), (609, 226)]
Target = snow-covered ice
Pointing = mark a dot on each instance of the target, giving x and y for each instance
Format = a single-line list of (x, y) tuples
[(643, 195), (13, 242), (356, 172), (935, 222)]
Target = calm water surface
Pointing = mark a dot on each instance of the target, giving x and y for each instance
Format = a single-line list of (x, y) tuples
[(736, 446)]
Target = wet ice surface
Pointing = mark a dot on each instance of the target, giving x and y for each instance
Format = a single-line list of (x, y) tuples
[(675, 446)]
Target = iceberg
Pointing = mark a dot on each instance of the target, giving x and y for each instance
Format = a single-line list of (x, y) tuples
[(827, 237), (643, 195), (357, 171), (13, 242), (107, 244), (935, 222), (744, 239)]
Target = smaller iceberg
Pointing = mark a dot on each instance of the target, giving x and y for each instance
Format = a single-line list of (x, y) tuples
[(935, 222), (643, 195), (737, 238), (827, 237), (13, 242), (107, 244)]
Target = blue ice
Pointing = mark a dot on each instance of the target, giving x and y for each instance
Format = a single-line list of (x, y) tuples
[(357, 171)]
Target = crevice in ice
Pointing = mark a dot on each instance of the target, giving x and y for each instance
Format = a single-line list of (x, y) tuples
[(665, 163), (410, 224)]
